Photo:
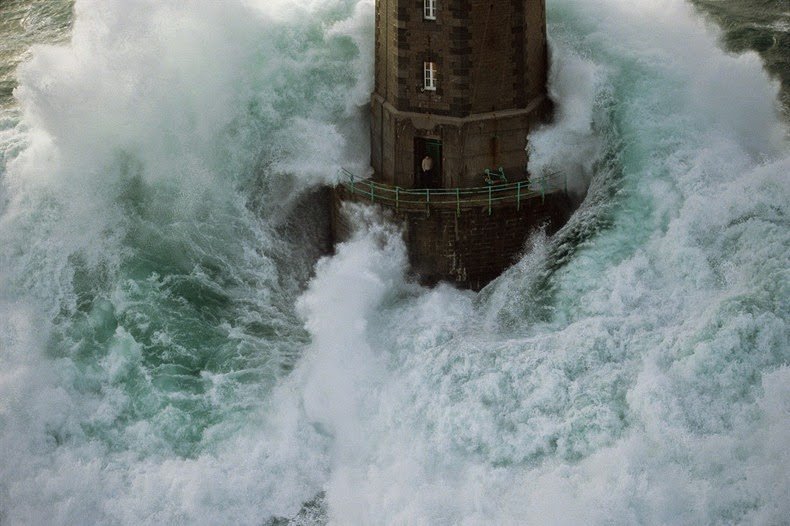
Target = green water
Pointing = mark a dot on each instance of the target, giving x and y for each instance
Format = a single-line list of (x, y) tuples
[(174, 351), (22, 24), (762, 26)]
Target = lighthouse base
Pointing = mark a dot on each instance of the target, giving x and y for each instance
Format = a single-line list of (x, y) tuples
[(468, 247)]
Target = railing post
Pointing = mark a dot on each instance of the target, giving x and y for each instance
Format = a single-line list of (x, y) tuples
[(518, 195), (543, 190), (489, 199), (372, 192), (457, 202), (428, 201)]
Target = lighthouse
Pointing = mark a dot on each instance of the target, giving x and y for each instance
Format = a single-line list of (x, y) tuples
[(459, 84)]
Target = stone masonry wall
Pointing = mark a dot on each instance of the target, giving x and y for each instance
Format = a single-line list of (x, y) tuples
[(491, 57), (469, 249), (469, 146)]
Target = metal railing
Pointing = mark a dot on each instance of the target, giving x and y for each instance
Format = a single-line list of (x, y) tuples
[(488, 196)]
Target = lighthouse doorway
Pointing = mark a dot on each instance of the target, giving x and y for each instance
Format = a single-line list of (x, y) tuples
[(427, 163)]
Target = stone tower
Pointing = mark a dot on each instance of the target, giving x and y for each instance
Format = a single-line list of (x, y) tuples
[(459, 81), (459, 84)]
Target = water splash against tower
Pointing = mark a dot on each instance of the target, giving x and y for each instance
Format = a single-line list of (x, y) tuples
[(633, 369)]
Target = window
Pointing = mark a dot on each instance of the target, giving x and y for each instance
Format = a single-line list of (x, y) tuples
[(429, 77), (429, 9)]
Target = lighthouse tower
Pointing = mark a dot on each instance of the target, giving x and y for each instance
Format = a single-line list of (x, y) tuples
[(459, 84), (459, 81)]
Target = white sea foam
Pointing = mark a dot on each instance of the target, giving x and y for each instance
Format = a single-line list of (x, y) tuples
[(146, 311), (643, 380), (643, 395), (572, 144)]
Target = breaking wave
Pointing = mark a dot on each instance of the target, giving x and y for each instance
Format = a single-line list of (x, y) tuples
[(173, 349)]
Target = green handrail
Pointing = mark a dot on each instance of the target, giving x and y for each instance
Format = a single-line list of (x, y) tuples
[(473, 196)]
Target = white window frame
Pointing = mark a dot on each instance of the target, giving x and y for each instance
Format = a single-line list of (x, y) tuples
[(429, 9), (429, 76)]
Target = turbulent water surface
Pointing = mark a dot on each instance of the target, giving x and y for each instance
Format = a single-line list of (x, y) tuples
[(173, 350), (760, 25)]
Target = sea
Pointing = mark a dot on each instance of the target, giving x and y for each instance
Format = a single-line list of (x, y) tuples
[(177, 348)]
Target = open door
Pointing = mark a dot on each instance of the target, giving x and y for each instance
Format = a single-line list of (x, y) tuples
[(427, 163)]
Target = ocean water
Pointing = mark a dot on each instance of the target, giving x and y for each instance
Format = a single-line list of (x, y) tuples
[(758, 25), (174, 350)]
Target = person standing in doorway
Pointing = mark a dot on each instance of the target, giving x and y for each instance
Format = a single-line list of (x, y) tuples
[(426, 177)]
